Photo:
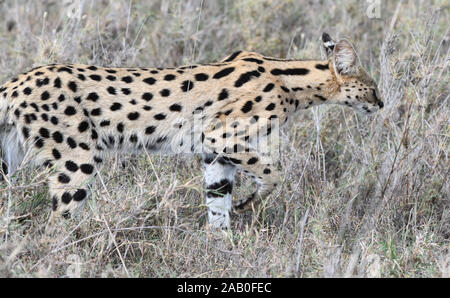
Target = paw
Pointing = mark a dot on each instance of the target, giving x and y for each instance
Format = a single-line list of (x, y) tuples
[(243, 205), (57, 215), (218, 220)]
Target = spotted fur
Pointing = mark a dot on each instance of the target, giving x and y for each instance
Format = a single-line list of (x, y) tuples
[(69, 116)]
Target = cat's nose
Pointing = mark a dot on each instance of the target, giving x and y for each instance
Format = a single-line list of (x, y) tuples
[(380, 104)]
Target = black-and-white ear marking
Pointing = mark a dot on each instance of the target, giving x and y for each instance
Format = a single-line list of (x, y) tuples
[(342, 54), (328, 44)]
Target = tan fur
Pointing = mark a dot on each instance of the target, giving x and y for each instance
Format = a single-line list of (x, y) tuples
[(73, 135)]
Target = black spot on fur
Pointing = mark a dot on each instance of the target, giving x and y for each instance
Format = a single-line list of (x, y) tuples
[(26, 132), (127, 79), (98, 159), (322, 66), (92, 96), (71, 142), (63, 178), (149, 130), (219, 189), (147, 96), (56, 154), (45, 95), (116, 106), (235, 160), (42, 82), (66, 198), (54, 120), (70, 110), (270, 107), (133, 115), (285, 89), (160, 116), (72, 86), (95, 77), (38, 142), (44, 132), (290, 71), (149, 81), (209, 158), (175, 108), (223, 94), (86, 168), (295, 89), (96, 112), (57, 83), (27, 91), (164, 92), (79, 195), (257, 61), (247, 107), (54, 203), (246, 77), (83, 126), (111, 90), (252, 161), (71, 166), (133, 138), (223, 73), (320, 97), (169, 77), (269, 87), (84, 146), (232, 56), (66, 69), (57, 137), (201, 77), (187, 85), (94, 135), (105, 123)]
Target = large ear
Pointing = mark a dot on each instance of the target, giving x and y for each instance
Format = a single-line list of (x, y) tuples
[(345, 58), (328, 44)]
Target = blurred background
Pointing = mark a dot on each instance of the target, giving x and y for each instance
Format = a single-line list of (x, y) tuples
[(359, 196)]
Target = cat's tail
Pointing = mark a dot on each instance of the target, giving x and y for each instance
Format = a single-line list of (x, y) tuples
[(11, 152)]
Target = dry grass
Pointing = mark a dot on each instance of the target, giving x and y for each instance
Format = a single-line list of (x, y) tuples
[(359, 196)]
